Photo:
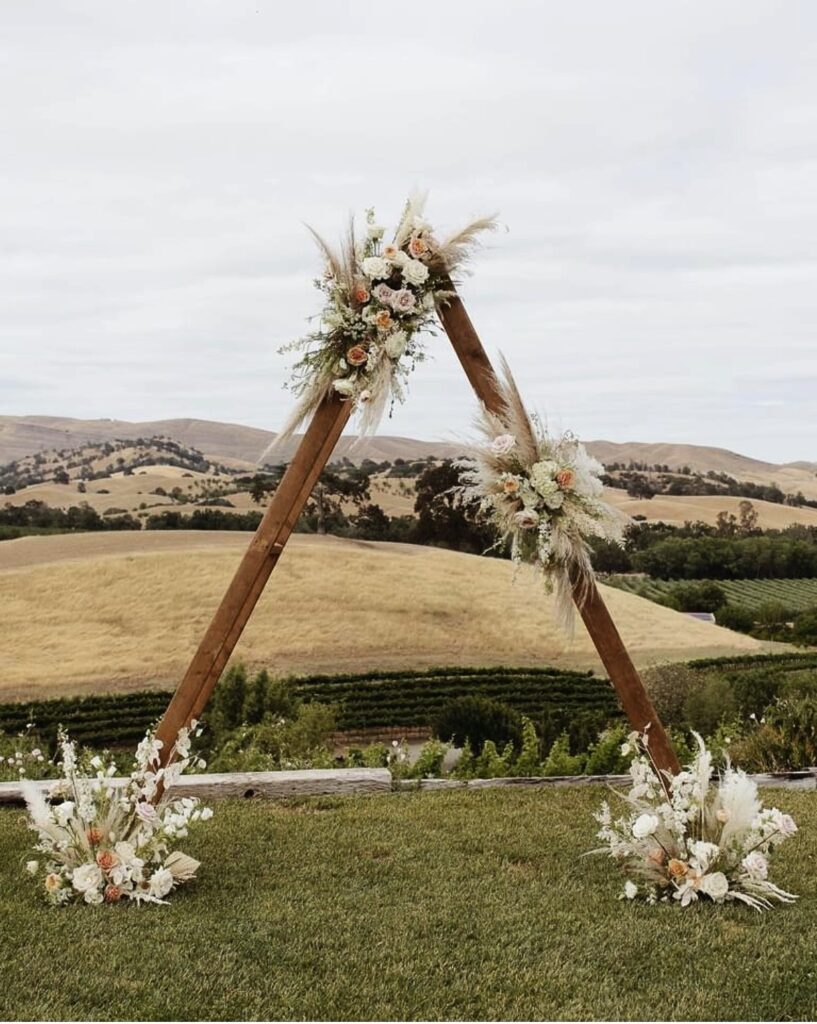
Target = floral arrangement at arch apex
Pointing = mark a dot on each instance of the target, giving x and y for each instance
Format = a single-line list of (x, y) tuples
[(379, 299), (105, 842), (687, 837)]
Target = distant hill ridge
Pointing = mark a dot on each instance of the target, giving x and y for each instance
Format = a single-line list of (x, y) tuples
[(233, 443)]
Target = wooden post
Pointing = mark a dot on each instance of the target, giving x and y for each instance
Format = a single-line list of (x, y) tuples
[(250, 578), (623, 674)]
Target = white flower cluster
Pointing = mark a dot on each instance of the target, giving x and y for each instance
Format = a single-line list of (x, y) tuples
[(106, 841), (686, 837), (544, 494)]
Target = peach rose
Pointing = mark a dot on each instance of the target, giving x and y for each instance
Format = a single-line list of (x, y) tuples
[(656, 856), (390, 251), (52, 882), (677, 868), (360, 293), (107, 859), (418, 247), (94, 836), (511, 485), (357, 355), (113, 894), (383, 319), (565, 478)]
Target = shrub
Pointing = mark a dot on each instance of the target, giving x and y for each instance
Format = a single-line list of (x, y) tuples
[(491, 764), (604, 757), (466, 764), (478, 719), (710, 704), (699, 597), (736, 617), (785, 740), (669, 688), (430, 762), (560, 761), (805, 627), (529, 760)]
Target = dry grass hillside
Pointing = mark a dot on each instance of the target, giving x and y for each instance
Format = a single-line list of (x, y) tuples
[(91, 612), (677, 510), (239, 445)]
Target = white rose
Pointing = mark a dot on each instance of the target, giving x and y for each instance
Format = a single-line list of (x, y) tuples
[(395, 344), (64, 812), (147, 813), (630, 890), (375, 267), (755, 865), (414, 272), (644, 825), (206, 813), (87, 877), (161, 882), (32, 866), (705, 854), (344, 386), (503, 444), (715, 885), (786, 825)]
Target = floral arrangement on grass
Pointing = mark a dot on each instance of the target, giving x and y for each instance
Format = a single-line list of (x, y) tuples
[(543, 493), (687, 836), (379, 298), (105, 841)]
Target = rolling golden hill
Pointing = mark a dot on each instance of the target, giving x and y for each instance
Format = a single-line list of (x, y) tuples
[(100, 612)]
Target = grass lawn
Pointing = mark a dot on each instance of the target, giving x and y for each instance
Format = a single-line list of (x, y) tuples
[(421, 906)]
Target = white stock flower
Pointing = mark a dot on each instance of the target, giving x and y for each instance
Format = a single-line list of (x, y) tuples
[(716, 885), (395, 344), (161, 882), (644, 825), (756, 866), (87, 877), (414, 272), (344, 386), (375, 267), (64, 812), (502, 444), (375, 232)]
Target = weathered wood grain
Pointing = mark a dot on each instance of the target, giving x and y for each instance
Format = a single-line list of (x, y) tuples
[(272, 785)]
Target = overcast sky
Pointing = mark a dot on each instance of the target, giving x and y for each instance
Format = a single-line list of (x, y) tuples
[(654, 165)]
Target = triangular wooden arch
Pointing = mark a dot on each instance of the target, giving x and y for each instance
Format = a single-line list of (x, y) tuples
[(279, 520)]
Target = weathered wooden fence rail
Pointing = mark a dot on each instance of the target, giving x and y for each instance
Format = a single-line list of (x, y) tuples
[(347, 781)]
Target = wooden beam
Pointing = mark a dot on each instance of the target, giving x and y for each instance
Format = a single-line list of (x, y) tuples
[(254, 570), (623, 674)]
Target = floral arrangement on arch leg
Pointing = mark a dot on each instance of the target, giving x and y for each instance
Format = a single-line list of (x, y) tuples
[(379, 298), (105, 841), (543, 493), (687, 837)]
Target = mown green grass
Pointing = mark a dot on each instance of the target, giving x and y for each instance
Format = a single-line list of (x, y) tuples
[(422, 906)]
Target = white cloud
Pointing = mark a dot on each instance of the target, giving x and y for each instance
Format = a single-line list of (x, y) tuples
[(654, 165)]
